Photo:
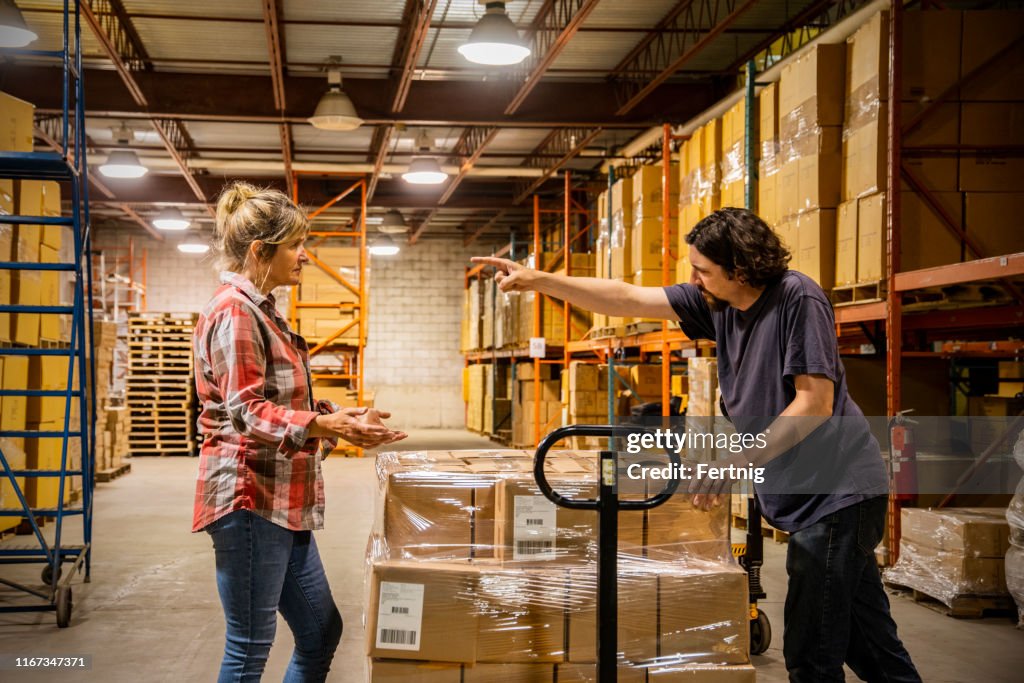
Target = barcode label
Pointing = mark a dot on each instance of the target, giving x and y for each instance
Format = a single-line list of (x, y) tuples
[(534, 528), (394, 636), (533, 547), (400, 615)]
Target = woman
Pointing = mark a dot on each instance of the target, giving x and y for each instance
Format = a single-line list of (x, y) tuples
[(260, 491)]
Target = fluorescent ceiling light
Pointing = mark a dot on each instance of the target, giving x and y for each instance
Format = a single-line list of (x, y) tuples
[(393, 222), (335, 110), (383, 245), (171, 218), (14, 32), (123, 163), (193, 248), (424, 170), (494, 40)]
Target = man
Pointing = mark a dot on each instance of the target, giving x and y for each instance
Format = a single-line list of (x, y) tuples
[(778, 360)]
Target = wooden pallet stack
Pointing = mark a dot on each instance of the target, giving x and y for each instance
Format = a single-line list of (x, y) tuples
[(161, 383)]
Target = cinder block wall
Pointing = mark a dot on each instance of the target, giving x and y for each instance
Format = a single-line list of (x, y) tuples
[(413, 360), (175, 281)]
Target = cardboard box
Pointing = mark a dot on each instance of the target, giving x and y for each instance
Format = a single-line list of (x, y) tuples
[(387, 671), (768, 113), (652, 277), (996, 124), (810, 84), (14, 452), (678, 532), (767, 195), (587, 673), (15, 124), (7, 198), (550, 390), (522, 615), (703, 615), (422, 611), (788, 189), (647, 244), (583, 376), (871, 230), (6, 246), (525, 371), (819, 170), (928, 72), (864, 156), (987, 213), (846, 243), (15, 408), (637, 611), (934, 174), (817, 251), (971, 532), (648, 192), (684, 673), (646, 381), (428, 514), (956, 573), (986, 34), (532, 530), (867, 64), (508, 673), (1009, 369), (925, 241), (52, 235), (45, 454)]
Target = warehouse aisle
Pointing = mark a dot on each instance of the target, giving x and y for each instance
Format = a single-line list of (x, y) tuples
[(152, 614)]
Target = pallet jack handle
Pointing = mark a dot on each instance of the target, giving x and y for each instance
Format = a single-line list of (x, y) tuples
[(607, 505)]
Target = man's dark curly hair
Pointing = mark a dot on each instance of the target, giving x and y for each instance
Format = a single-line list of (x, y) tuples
[(743, 244)]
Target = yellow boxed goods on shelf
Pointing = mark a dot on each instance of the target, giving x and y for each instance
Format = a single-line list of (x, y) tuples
[(925, 242), (986, 214), (871, 230), (865, 122), (647, 244), (992, 124), (52, 235), (952, 552), (443, 556), (15, 124), (648, 191), (928, 72), (702, 375), (6, 249), (846, 243), (734, 161), (769, 163), (811, 113), (622, 228), (985, 34), (817, 246), (15, 453)]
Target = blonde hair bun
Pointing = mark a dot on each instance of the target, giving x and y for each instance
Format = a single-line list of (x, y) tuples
[(245, 214)]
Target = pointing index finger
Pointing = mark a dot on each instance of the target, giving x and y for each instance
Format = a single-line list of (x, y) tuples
[(499, 263)]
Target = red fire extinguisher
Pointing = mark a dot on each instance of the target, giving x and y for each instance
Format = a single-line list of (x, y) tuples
[(903, 457)]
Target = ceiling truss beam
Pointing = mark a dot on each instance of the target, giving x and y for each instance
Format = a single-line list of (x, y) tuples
[(565, 142)]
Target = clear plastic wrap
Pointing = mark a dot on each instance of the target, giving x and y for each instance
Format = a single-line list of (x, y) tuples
[(1015, 555), (469, 564), (953, 552)]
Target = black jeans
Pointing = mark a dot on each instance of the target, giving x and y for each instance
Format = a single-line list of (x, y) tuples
[(836, 608)]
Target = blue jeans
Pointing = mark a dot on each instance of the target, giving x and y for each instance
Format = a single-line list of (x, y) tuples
[(836, 608), (263, 568)]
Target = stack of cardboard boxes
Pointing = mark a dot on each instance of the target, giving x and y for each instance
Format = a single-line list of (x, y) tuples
[(618, 263), (699, 186), (322, 287), (476, 375), (952, 553), (526, 394), (113, 420), (475, 576), (810, 155), (647, 234), (734, 156), (991, 414), (860, 226), (770, 162)]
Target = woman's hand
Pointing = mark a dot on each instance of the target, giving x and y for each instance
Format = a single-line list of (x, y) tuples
[(359, 426)]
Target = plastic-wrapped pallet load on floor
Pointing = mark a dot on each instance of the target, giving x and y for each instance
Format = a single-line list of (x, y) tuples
[(474, 576), (1015, 554), (951, 553)]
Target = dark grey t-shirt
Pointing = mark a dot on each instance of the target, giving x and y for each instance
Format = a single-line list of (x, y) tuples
[(789, 331)]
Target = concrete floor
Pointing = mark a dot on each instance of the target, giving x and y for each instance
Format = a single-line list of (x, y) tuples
[(151, 612)]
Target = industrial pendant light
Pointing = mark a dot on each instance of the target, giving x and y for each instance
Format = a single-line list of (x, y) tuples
[(335, 110), (383, 245), (123, 163), (423, 169), (393, 223), (171, 218), (494, 40), (193, 248), (14, 32)]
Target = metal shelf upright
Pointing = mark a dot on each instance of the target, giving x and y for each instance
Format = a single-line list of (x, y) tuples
[(67, 165), (352, 352)]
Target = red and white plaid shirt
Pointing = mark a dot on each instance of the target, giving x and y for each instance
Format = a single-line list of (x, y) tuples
[(252, 376)]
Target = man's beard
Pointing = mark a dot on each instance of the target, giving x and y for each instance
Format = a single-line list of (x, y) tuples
[(714, 303)]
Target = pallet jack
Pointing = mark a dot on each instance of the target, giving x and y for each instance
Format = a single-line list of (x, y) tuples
[(750, 555), (607, 505)]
